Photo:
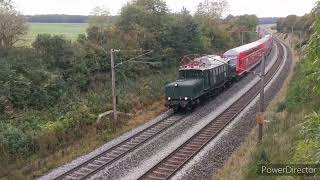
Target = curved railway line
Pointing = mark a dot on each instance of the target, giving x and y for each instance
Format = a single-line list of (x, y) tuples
[(109, 156), (175, 161), (172, 163)]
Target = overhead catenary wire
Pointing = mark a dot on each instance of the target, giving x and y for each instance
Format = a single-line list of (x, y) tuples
[(139, 56)]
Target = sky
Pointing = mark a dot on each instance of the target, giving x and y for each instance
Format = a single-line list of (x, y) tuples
[(261, 8)]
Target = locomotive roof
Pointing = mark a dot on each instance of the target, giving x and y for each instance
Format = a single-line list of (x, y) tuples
[(237, 50), (204, 62)]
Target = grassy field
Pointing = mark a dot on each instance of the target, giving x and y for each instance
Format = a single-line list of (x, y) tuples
[(68, 30)]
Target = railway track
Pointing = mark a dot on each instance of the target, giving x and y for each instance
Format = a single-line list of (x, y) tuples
[(109, 156), (175, 161)]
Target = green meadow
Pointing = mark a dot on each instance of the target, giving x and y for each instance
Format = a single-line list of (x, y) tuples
[(68, 30)]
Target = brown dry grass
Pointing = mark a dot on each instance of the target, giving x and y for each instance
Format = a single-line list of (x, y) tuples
[(236, 166), (85, 145)]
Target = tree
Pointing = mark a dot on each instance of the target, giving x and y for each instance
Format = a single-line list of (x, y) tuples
[(54, 49), (212, 8), (100, 17), (142, 22), (242, 28), (12, 26), (6, 4), (182, 34)]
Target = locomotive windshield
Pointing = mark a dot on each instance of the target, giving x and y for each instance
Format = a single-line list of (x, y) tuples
[(190, 74)]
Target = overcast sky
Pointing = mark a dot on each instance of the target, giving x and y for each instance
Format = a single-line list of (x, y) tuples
[(262, 8)]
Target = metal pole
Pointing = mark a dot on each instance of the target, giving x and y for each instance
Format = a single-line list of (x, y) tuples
[(261, 107), (114, 99), (242, 37)]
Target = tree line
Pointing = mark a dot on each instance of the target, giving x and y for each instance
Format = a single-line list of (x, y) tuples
[(57, 18), (300, 25)]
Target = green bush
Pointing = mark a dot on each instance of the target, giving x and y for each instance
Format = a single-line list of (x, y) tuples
[(17, 142)]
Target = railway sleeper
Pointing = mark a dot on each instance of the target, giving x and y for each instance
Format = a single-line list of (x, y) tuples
[(103, 158), (186, 151), (193, 146), (99, 162), (123, 148), (175, 157), (72, 178), (185, 156), (173, 162), (93, 166), (155, 177), (168, 165), (77, 173), (164, 168)]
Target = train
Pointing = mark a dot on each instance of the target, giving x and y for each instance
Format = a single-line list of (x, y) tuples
[(202, 77)]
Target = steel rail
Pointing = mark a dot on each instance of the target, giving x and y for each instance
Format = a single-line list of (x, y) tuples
[(96, 163)]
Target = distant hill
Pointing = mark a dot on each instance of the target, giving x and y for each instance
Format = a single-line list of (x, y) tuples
[(268, 20), (61, 18), (57, 18)]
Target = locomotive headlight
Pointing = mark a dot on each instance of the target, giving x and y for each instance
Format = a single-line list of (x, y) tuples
[(169, 98), (176, 84), (186, 98)]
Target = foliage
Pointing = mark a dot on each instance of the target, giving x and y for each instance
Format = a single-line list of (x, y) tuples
[(100, 17), (307, 149), (55, 49), (242, 27), (27, 83), (6, 4), (300, 25), (312, 60), (212, 8), (12, 26), (16, 140)]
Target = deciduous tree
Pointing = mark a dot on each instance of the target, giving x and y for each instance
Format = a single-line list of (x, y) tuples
[(12, 26), (212, 8), (6, 4), (100, 17)]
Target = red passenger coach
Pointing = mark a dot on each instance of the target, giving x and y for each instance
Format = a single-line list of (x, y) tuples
[(245, 57), (267, 43)]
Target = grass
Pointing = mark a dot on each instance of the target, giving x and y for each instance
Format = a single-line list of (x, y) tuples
[(68, 30)]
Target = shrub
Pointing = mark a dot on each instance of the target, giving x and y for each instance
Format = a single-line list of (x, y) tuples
[(17, 142)]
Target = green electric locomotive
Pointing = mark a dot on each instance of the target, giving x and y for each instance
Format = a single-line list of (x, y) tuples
[(200, 78)]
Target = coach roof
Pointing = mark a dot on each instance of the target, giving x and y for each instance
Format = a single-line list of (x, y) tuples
[(237, 50)]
